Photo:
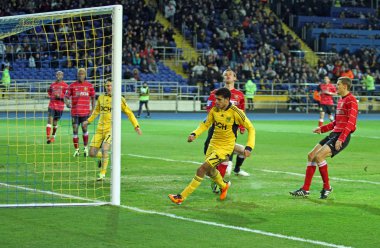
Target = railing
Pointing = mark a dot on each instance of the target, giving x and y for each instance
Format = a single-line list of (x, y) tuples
[(130, 87)]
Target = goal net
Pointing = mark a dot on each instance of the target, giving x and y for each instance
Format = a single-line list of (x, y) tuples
[(35, 47)]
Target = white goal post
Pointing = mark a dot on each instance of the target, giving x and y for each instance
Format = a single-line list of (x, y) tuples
[(33, 173)]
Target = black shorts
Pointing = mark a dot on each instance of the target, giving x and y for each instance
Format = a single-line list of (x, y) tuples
[(78, 119), (326, 108), (332, 139), (56, 114)]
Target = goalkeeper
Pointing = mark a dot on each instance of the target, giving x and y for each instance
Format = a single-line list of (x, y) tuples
[(101, 141)]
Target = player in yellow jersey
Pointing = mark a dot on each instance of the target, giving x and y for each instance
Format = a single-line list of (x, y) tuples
[(102, 138), (226, 119)]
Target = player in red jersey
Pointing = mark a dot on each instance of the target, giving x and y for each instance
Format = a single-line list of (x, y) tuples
[(82, 94), (56, 92), (327, 91), (237, 98), (342, 127)]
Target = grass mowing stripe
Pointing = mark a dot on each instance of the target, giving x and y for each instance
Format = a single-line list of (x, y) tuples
[(281, 236), (263, 170), (275, 235)]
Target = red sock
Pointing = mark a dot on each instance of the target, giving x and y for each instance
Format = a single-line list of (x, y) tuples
[(222, 167), (54, 129), (324, 174), (48, 129), (76, 141), (85, 139), (309, 176)]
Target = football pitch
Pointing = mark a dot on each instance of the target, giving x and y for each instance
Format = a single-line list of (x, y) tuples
[(258, 212)]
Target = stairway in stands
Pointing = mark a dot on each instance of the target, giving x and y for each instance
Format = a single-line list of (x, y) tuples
[(188, 51)]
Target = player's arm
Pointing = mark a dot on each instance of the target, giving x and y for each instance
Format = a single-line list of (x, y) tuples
[(210, 102), (244, 121), (50, 92), (94, 114), (351, 123), (125, 108), (203, 126), (92, 95), (242, 107), (67, 97), (325, 128)]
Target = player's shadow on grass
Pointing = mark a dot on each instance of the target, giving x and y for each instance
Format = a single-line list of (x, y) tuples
[(331, 202), (228, 210)]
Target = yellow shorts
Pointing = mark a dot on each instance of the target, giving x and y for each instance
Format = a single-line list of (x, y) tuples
[(216, 156), (99, 138)]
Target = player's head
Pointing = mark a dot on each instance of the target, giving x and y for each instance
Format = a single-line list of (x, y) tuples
[(222, 96), (59, 75), (81, 74), (229, 76), (326, 79), (145, 84), (343, 85), (108, 86)]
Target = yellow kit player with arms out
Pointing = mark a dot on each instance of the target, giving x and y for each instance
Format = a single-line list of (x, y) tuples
[(102, 138), (226, 119)]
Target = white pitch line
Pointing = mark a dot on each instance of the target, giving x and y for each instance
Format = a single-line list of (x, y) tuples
[(263, 170), (173, 216), (238, 228)]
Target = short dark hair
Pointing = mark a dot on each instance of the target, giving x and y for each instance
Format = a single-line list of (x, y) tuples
[(347, 81), (224, 92)]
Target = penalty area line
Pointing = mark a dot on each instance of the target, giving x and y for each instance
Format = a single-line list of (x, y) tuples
[(244, 229), (262, 170)]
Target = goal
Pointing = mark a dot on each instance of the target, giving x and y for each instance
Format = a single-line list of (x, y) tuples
[(36, 46)]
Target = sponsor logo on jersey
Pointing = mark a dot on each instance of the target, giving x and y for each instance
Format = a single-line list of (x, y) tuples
[(220, 125), (82, 93), (105, 108)]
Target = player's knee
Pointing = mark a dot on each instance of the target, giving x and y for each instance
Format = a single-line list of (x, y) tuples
[(311, 156), (319, 157)]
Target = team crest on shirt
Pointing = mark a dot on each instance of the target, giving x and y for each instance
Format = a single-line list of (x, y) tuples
[(228, 119), (85, 88)]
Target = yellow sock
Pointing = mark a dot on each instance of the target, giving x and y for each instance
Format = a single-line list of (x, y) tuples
[(191, 187), (105, 161), (219, 180)]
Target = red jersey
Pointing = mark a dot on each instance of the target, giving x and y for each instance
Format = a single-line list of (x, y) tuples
[(81, 94), (325, 98), (56, 92), (345, 117), (237, 99)]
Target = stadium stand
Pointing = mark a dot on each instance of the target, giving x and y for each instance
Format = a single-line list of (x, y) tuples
[(244, 36)]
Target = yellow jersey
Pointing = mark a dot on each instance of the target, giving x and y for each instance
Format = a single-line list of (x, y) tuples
[(104, 109), (226, 124)]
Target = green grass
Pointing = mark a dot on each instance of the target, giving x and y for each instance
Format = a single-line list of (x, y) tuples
[(350, 217)]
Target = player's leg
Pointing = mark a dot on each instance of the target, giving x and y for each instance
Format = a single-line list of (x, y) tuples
[(329, 113), (321, 115), (147, 108), (84, 134), (140, 109), (320, 158), (239, 150), (328, 150), (310, 170), (48, 125), (106, 147), (57, 117), (208, 167), (75, 122)]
